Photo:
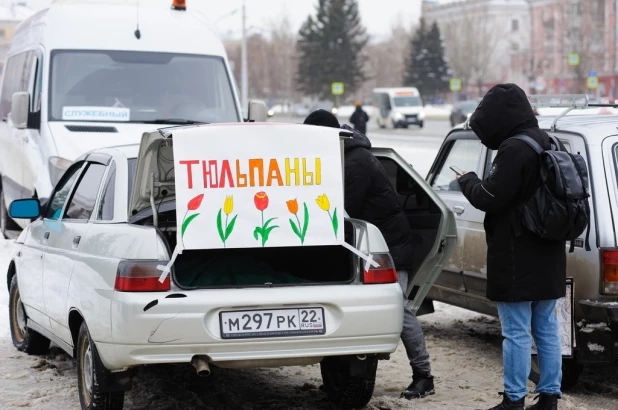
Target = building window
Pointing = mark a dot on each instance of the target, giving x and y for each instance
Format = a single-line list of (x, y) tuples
[(515, 25)]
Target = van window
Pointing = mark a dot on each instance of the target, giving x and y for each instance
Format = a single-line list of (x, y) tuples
[(18, 76), (132, 86), (407, 101)]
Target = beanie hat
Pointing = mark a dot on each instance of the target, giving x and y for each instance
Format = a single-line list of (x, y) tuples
[(323, 118)]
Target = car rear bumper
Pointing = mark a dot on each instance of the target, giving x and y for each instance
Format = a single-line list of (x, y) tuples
[(359, 319), (596, 335)]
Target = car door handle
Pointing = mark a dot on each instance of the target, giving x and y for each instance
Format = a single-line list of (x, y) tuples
[(46, 235), (459, 209), (76, 241)]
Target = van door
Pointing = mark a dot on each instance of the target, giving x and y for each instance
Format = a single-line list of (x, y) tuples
[(430, 218)]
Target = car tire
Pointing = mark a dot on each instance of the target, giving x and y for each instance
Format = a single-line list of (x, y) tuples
[(420, 124), (571, 370), (90, 395), (24, 339), (343, 389), (6, 223)]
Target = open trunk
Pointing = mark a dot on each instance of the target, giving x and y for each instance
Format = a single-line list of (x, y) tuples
[(221, 268)]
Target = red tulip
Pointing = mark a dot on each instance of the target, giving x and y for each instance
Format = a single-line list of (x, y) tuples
[(195, 202), (261, 200)]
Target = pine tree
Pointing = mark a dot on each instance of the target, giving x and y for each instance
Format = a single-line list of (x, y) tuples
[(330, 46), (425, 66)]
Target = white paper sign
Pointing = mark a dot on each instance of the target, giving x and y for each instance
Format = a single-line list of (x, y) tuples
[(256, 185), (113, 114)]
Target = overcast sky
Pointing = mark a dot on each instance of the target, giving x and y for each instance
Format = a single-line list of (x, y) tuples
[(377, 15)]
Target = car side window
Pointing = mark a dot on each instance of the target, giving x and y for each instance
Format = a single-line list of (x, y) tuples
[(61, 193), (463, 154), (85, 195), (491, 156), (106, 207)]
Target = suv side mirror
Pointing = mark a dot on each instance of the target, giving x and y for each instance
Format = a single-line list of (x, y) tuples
[(20, 108), (257, 111)]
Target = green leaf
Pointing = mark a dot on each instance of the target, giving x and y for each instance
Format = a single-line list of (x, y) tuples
[(269, 221), (220, 226), (230, 227), (335, 222), (295, 229), (186, 223), (306, 222), (257, 231), (266, 234)]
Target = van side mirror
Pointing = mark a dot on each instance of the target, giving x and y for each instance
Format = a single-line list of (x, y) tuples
[(257, 111), (20, 108), (25, 209)]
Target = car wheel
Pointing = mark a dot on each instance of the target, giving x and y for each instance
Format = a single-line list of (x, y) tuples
[(571, 370), (343, 389), (90, 395), (420, 124), (24, 339), (6, 223)]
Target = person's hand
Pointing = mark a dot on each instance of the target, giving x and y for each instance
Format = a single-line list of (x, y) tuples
[(459, 176)]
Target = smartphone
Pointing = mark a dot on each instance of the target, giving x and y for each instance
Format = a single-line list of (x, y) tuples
[(456, 170)]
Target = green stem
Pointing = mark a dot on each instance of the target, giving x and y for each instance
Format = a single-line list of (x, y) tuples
[(300, 229), (331, 222), (262, 234), (182, 236), (226, 217)]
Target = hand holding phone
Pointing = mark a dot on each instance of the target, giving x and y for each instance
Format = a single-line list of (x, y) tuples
[(457, 170)]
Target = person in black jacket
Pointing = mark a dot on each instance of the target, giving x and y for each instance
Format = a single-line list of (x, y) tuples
[(359, 118), (525, 273), (370, 196)]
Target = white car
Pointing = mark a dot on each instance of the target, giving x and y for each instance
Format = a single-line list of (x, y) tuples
[(84, 275)]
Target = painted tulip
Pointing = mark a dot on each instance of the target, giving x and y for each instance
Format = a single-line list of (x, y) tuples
[(323, 202), (292, 206), (261, 200), (228, 205), (195, 202)]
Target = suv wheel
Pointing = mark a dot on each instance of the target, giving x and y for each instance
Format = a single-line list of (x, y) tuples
[(90, 395), (571, 370), (343, 389), (24, 339)]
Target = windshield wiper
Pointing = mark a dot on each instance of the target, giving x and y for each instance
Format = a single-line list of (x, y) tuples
[(175, 121)]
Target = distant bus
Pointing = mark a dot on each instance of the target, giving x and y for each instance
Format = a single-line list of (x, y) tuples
[(398, 107)]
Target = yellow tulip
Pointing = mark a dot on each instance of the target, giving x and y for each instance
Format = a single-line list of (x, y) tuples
[(228, 205), (323, 202)]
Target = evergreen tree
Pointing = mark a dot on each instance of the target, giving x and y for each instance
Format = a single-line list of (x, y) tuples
[(425, 66), (329, 47)]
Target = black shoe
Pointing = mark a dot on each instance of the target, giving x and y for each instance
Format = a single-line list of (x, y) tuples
[(545, 402), (421, 387), (508, 404)]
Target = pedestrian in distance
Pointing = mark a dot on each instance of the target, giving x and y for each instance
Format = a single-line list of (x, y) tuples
[(359, 118), (370, 196), (526, 273)]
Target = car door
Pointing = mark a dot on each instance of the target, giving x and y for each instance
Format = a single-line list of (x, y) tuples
[(461, 150), (431, 220), (63, 246)]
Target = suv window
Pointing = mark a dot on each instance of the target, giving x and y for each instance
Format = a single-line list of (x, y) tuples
[(463, 154), (85, 195), (106, 208), (19, 75), (61, 193)]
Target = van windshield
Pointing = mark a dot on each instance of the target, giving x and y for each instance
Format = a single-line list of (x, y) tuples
[(143, 87), (407, 101)]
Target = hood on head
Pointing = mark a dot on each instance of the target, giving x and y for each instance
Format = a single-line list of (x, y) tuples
[(358, 140), (504, 112)]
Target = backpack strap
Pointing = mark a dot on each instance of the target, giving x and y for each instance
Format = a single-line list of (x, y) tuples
[(531, 143)]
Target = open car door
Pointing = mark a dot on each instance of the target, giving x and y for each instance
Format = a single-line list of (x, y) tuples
[(432, 222)]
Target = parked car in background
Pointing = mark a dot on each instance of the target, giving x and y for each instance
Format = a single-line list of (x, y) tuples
[(300, 110), (98, 296), (463, 282), (462, 110), (324, 105)]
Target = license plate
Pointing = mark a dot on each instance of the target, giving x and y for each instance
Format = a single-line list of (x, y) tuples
[(272, 323)]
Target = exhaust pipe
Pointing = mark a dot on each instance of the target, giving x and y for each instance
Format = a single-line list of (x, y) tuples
[(201, 365)]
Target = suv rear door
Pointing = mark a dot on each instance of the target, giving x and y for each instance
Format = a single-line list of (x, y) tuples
[(429, 217)]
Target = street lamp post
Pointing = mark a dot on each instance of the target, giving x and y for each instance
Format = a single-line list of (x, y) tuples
[(243, 60)]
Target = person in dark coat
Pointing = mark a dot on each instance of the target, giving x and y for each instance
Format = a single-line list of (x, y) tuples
[(525, 273), (370, 196), (359, 118)]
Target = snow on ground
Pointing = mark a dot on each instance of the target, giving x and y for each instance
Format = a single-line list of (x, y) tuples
[(466, 356)]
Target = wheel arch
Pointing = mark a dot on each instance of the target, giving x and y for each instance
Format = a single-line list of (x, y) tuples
[(75, 322), (10, 273)]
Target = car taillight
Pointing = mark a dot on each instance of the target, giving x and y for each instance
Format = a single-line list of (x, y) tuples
[(385, 273), (610, 272), (140, 276)]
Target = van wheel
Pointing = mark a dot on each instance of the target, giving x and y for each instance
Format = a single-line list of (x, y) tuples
[(6, 223), (571, 370), (90, 395), (343, 389), (24, 339), (420, 124)]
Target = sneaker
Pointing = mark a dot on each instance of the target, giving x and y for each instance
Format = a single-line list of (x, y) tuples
[(421, 387), (545, 402), (508, 404)]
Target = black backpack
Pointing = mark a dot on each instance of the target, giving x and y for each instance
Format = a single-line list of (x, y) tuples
[(559, 209)]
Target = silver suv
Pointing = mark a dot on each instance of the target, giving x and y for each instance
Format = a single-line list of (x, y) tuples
[(590, 327)]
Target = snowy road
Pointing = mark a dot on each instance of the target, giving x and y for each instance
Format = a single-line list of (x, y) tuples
[(465, 350)]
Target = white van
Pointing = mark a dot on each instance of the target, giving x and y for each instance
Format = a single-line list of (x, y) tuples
[(87, 74), (398, 107)]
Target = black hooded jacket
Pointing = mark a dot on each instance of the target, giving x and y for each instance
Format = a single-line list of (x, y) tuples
[(520, 265), (370, 196)]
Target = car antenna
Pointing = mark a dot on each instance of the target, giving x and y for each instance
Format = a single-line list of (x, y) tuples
[(138, 33)]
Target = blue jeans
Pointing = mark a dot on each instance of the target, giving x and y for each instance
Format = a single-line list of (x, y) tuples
[(517, 319)]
